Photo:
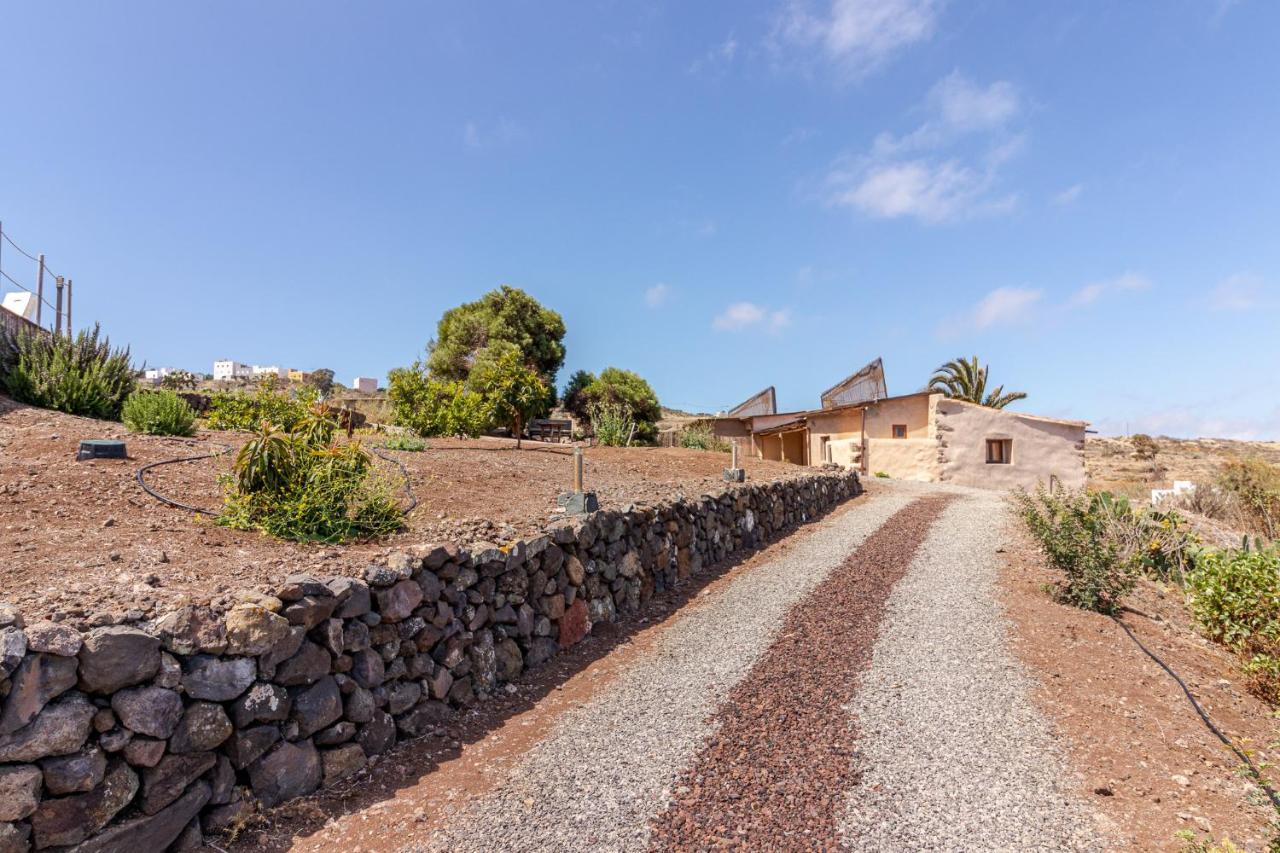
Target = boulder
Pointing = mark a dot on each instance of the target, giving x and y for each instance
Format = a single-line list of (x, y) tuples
[(15, 838), (115, 657), (402, 696), (377, 735), (399, 601), (307, 666), (353, 597), (192, 629), (281, 651), (424, 718), (20, 790), (151, 711), (253, 629), (574, 570), (165, 782), (248, 745), (341, 762), (218, 679), (317, 706), (151, 833), (339, 732), (299, 586), (287, 771), (359, 706), (541, 650), (368, 669), (204, 726), (261, 703), (310, 610), (70, 820), (13, 645), (54, 638), (60, 729), (76, 773), (37, 680), (575, 624)]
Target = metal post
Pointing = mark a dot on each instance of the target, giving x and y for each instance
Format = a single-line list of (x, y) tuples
[(69, 326), (57, 326), (40, 290), (735, 454), (577, 470)]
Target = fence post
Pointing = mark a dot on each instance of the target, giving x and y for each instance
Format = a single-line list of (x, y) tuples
[(57, 326), (69, 326), (40, 290)]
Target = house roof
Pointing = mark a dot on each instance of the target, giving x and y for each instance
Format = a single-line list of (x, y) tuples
[(1023, 415)]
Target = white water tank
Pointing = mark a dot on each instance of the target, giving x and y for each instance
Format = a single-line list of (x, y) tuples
[(22, 303)]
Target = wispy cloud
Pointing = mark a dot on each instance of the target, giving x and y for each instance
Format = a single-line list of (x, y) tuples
[(1240, 292), (657, 296), (1004, 306), (747, 315), (1068, 196), (1093, 291), (500, 133), (930, 173), (718, 59), (856, 36), (1194, 422)]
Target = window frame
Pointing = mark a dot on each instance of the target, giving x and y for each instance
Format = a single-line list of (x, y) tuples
[(1005, 454), (896, 427)]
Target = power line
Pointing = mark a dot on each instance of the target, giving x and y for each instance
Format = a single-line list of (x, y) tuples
[(24, 287)]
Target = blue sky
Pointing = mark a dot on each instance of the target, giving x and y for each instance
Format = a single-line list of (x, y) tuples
[(719, 196)]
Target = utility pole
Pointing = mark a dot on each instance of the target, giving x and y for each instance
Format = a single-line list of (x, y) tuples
[(40, 290), (69, 326), (57, 328)]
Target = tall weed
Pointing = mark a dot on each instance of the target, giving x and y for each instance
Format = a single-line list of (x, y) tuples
[(80, 376)]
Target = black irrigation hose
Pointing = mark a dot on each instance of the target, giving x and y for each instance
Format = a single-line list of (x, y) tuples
[(226, 448), (1253, 769)]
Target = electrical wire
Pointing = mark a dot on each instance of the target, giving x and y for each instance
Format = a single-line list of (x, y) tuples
[(1253, 769), (18, 284), (27, 254)]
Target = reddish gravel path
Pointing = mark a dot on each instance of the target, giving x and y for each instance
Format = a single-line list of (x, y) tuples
[(780, 762)]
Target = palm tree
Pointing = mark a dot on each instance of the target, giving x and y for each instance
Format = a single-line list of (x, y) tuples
[(967, 380)]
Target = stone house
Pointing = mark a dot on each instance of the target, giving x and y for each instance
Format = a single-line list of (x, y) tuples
[(924, 436)]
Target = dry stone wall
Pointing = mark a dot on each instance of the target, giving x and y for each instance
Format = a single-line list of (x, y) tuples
[(148, 736)]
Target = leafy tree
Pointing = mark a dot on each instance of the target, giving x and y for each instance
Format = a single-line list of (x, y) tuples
[(625, 389), (507, 315), (574, 398), (1144, 446), (321, 380), (513, 391), (967, 380), (433, 407)]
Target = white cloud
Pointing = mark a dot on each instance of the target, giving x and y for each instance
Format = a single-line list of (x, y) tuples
[(857, 35), (929, 173), (1092, 292), (503, 132), (748, 315), (657, 296), (1194, 422), (1069, 195), (1239, 292), (1005, 306), (717, 59)]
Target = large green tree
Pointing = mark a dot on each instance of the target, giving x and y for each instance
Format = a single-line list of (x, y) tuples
[(574, 399), (615, 387), (513, 391), (967, 380), (508, 315)]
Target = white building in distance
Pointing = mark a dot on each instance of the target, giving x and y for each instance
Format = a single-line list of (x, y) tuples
[(226, 370), (270, 370), (155, 374), (365, 384)]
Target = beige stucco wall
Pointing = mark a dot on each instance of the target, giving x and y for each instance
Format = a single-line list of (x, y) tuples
[(903, 458), (914, 412), (1040, 447), (838, 428)]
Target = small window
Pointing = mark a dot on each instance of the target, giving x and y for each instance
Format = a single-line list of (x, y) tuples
[(899, 430), (999, 451)]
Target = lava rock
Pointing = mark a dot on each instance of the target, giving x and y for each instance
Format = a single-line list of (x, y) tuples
[(76, 773), (377, 735), (70, 820), (289, 770), (60, 729), (307, 666), (398, 602), (39, 679), (20, 790), (155, 832), (13, 645), (115, 657), (317, 706), (192, 629), (144, 752), (262, 703), (218, 679), (248, 745), (204, 726), (165, 782), (254, 630), (54, 638), (152, 711), (341, 762)]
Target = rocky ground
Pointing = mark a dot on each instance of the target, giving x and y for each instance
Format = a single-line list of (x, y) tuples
[(83, 538)]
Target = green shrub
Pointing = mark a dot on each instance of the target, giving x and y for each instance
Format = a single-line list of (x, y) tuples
[(625, 390), (79, 376), (1074, 530), (405, 442), (433, 407), (297, 485), (158, 413), (240, 410), (1235, 599), (882, 475), (700, 437), (612, 424)]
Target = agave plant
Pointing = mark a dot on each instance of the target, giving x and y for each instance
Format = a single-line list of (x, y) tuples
[(967, 380), (316, 427), (268, 462)]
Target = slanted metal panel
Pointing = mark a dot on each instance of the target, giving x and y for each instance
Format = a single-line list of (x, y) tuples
[(864, 386), (763, 403)]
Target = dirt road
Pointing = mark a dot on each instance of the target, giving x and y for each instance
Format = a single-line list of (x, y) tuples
[(853, 688)]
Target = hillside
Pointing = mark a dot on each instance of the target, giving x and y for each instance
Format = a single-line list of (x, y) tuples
[(1112, 465)]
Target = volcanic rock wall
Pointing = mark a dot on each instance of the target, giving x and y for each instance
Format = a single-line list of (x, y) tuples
[(147, 736)]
